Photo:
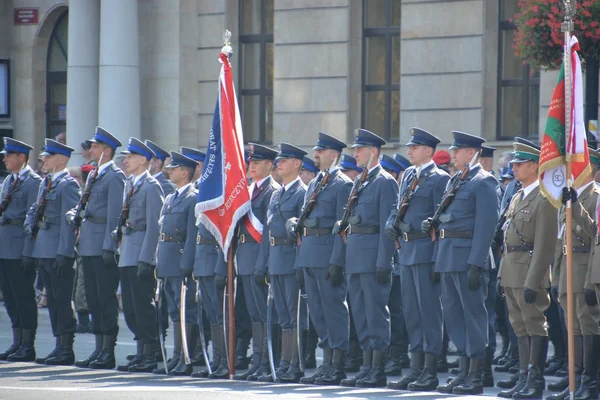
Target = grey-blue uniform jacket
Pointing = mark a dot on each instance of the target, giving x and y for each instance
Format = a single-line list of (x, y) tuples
[(207, 255), (280, 259), (102, 212), (247, 253), (320, 251), (423, 204), (167, 186), (366, 252), (14, 243), (144, 210), (58, 238), (177, 218), (474, 209)]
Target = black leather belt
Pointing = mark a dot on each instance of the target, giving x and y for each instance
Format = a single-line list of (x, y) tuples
[(525, 248), (204, 240), (171, 238), (134, 227), (445, 234), (352, 229), (243, 238), (577, 249), (94, 220), (277, 241), (14, 221), (414, 236), (316, 231)]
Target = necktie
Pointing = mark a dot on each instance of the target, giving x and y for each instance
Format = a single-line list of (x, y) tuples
[(176, 194)]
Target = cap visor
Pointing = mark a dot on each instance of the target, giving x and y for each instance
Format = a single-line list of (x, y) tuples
[(357, 145), (126, 152), (319, 148), (171, 166), (3, 152), (411, 143), (519, 161), (45, 153)]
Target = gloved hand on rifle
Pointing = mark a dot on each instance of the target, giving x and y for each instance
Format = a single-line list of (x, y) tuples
[(337, 228), (530, 295), (260, 278), (290, 227), (569, 195), (426, 225), (391, 231), (63, 264)]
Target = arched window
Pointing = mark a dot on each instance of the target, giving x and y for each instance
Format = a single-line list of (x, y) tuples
[(381, 67), (56, 78)]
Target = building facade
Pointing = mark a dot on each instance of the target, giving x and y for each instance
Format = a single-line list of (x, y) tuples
[(148, 68)]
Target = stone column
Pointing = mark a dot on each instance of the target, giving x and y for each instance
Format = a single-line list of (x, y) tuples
[(82, 73), (119, 95)]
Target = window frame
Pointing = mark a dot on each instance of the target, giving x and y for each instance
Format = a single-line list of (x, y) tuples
[(55, 77), (388, 86), (6, 61), (526, 83), (263, 39)]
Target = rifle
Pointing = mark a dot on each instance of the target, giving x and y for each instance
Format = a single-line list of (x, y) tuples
[(41, 207), (353, 198), (405, 201), (81, 206), (118, 233), (11, 191), (449, 196), (312, 201)]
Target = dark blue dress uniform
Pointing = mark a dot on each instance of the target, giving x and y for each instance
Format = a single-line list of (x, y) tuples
[(277, 258), (167, 186), (137, 260), (17, 275), (175, 260), (369, 266), (321, 251), (247, 258), (465, 234), (420, 291), (347, 162), (97, 250), (54, 248), (309, 165)]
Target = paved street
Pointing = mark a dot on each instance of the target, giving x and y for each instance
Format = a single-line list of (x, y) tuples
[(31, 381)]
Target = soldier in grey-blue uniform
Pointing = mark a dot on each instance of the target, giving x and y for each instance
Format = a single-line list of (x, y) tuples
[(97, 249), (397, 356), (54, 246), (251, 233), (175, 258), (465, 232), (420, 284), (156, 166), (369, 259), (348, 166), (143, 197), (17, 268), (277, 257), (404, 164), (321, 259)]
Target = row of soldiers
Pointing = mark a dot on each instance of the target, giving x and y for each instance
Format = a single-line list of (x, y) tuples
[(336, 239)]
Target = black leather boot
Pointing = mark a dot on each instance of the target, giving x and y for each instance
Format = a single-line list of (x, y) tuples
[(293, 373), (257, 341), (474, 382), (417, 362), (393, 363), (197, 356), (26, 351), (181, 368), (335, 373), (86, 362), (264, 368), (136, 359), (503, 350), (106, 359), (216, 354), (17, 337), (42, 360), (83, 323), (553, 365), (463, 371), (285, 356), (510, 360), (148, 362), (563, 383), (365, 368), (534, 388), (428, 380), (323, 369), (64, 355), (353, 357), (488, 376), (587, 390), (521, 377), (376, 377), (177, 345), (222, 370), (310, 349), (510, 382), (241, 353)]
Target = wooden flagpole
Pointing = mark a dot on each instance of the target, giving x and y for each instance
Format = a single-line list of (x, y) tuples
[(567, 27), (231, 304)]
